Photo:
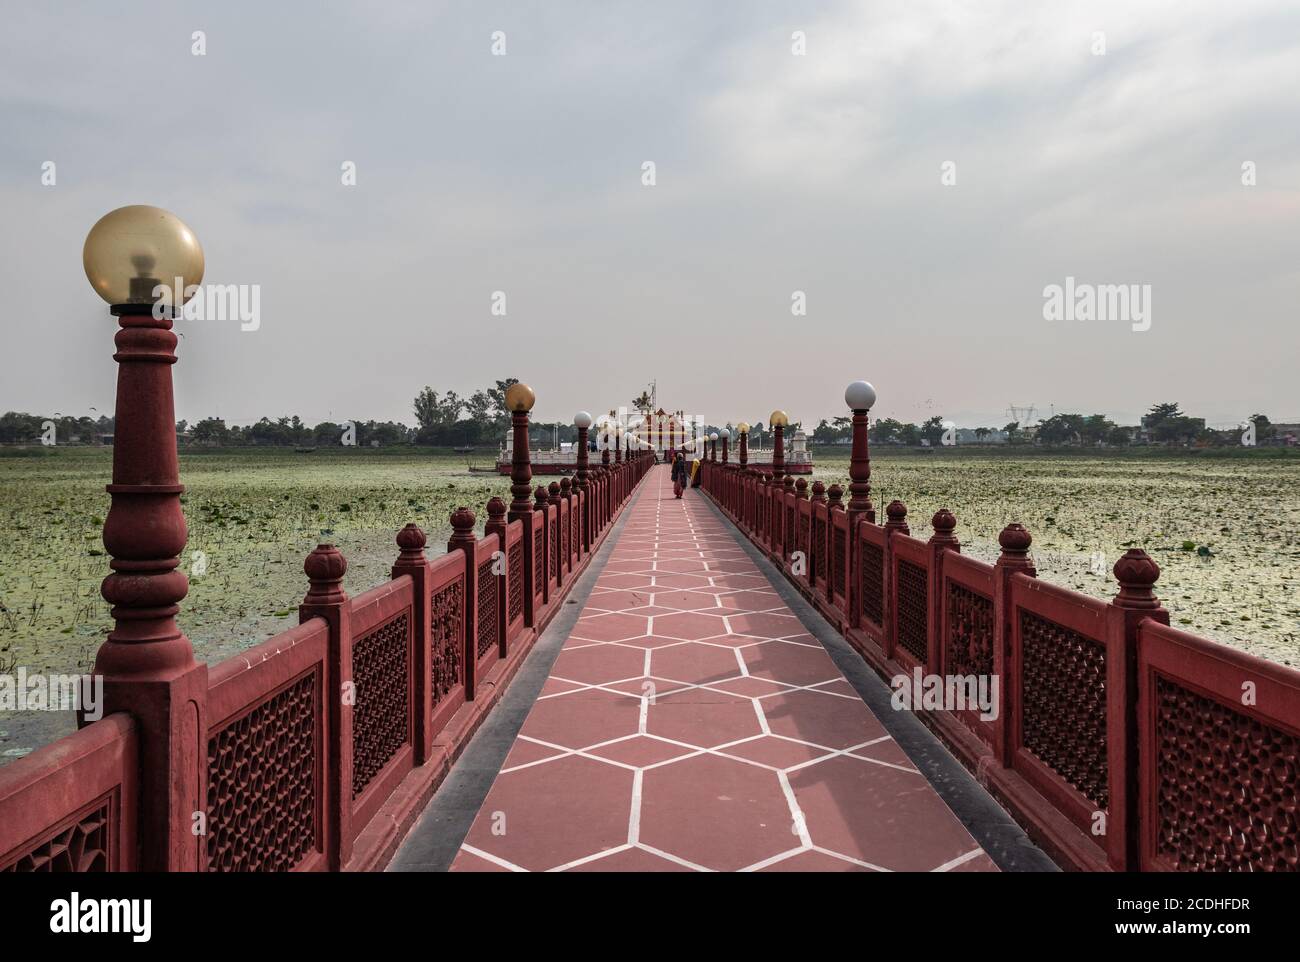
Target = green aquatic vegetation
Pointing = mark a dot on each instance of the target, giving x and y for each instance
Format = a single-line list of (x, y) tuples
[(1224, 531), (253, 516)]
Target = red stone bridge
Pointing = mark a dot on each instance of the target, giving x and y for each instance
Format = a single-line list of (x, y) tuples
[(611, 678)]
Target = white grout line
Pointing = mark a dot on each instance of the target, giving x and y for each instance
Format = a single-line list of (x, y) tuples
[(959, 860), (489, 857)]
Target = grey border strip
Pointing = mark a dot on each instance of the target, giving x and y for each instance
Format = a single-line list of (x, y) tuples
[(436, 837), (986, 820)]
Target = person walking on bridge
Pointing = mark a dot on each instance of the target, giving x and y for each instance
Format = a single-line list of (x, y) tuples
[(679, 475)]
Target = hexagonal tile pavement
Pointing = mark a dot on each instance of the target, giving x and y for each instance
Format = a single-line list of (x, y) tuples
[(794, 664), (582, 718), (716, 812), (528, 805), (821, 718), (740, 763), (695, 663), (689, 626), (615, 626), (879, 815), (597, 664), (766, 624), (685, 600)]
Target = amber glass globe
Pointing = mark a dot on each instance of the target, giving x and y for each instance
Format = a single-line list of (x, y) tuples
[(743, 427), (132, 250), (520, 397), (778, 418)]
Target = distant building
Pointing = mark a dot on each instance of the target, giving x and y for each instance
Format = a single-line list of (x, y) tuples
[(1283, 435)]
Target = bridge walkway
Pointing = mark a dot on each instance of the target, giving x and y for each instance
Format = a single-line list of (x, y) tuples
[(689, 721)]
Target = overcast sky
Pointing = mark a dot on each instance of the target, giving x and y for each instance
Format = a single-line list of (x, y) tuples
[(775, 173)]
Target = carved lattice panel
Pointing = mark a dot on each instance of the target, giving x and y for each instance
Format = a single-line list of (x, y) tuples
[(515, 589), (447, 639), (575, 529), (539, 560), (381, 718), (1063, 694), (913, 610), (80, 845), (801, 533), (789, 531), (839, 568), (487, 607), (1226, 787), (262, 784), (968, 649), (819, 549), (872, 586)]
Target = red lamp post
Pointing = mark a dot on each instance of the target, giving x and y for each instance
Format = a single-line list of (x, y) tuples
[(743, 428), (860, 396), (582, 421), (778, 422), (519, 401), (146, 661)]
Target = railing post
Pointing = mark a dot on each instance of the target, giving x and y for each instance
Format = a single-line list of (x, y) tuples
[(896, 512), (521, 508), (411, 561), (542, 505), (1015, 541), (574, 499), (146, 662), (496, 524), (1136, 601), (564, 528), (804, 545), (835, 503), (789, 543), (765, 494), (569, 495), (944, 523), (325, 568), (583, 476), (462, 538), (816, 564)]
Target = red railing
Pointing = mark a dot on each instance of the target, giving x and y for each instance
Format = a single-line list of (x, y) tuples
[(1218, 743), (325, 741), (71, 807), (269, 739), (1118, 742)]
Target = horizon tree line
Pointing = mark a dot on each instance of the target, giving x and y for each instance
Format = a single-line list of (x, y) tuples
[(450, 420)]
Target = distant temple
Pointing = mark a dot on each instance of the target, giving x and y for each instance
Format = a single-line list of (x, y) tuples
[(661, 431)]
